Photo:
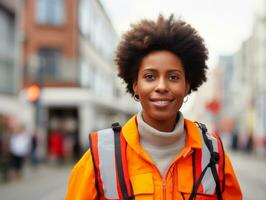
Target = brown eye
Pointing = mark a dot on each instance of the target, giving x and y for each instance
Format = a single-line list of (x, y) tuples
[(149, 77), (173, 77)]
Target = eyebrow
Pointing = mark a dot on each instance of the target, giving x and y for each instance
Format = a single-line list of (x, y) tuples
[(154, 70)]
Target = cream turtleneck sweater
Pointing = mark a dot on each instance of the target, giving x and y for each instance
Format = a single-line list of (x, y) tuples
[(162, 147)]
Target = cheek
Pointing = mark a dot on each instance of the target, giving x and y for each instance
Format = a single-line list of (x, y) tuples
[(178, 90), (143, 94), (144, 89)]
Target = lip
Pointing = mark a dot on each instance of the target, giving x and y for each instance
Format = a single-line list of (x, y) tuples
[(154, 98), (161, 102)]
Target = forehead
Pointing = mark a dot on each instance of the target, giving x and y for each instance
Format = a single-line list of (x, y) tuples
[(161, 60)]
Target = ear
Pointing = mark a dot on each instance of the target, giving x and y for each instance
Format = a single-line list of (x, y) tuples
[(135, 86), (187, 88)]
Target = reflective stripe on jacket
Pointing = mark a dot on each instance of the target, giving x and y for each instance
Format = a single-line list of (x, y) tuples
[(146, 180)]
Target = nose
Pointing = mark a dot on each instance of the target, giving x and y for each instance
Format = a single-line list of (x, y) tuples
[(161, 86)]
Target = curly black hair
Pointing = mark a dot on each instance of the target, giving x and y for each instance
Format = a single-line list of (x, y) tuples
[(169, 34)]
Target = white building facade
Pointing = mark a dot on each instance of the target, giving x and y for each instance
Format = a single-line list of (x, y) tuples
[(249, 84)]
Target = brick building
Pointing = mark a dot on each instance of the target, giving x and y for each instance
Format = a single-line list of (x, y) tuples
[(67, 48)]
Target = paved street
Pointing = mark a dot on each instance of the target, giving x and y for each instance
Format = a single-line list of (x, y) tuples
[(49, 183), (45, 183), (251, 173)]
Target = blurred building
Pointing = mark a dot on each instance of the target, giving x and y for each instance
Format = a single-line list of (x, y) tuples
[(244, 96), (8, 56), (7, 48), (67, 51), (256, 50), (226, 63)]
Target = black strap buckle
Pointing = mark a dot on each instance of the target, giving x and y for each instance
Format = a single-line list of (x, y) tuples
[(215, 157), (116, 127)]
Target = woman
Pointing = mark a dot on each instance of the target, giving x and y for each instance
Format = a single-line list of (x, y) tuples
[(161, 62)]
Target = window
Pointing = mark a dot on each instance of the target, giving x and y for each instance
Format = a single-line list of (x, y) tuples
[(86, 74), (50, 12), (7, 81), (96, 28), (50, 63), (7, 35)]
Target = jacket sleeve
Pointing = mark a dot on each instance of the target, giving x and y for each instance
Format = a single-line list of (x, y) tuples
[(232, 188), (81, 184)]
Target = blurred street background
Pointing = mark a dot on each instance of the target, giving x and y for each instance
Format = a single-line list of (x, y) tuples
[(58, 82)]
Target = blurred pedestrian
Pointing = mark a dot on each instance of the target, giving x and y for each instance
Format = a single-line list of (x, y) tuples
[(68, 145), (33, 151), (4, 149), (55, 147), (157, 154), (250, 143), (234, 144), (19, 149)]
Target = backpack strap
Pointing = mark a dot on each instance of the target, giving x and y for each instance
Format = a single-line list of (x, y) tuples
[(108, 149), (216, 161), (121, 163)]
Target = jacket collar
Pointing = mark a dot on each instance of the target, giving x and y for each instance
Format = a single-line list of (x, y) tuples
[(130, 133), (193, 139)]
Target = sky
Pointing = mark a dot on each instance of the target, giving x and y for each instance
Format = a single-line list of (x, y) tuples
[(224, 24)]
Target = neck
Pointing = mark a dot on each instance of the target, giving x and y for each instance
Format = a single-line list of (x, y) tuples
[(152, 136), (161, 125)]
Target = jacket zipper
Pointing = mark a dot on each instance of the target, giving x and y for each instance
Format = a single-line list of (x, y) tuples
[(164, 177), (164, 184), (164, 188)]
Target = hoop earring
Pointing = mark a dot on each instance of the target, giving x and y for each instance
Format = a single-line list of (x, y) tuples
[(185, 99), (136, 97)]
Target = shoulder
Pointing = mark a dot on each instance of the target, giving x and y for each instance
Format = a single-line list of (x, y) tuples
[(81, 183), (84, 161), (83, 169), (232, 187)]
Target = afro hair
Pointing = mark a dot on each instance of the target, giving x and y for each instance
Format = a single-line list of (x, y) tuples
[(169, 34)]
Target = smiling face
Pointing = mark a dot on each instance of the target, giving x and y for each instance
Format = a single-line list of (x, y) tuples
[(161, 86)]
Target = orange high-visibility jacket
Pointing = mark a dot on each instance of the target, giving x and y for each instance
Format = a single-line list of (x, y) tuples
[(146, 180)]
